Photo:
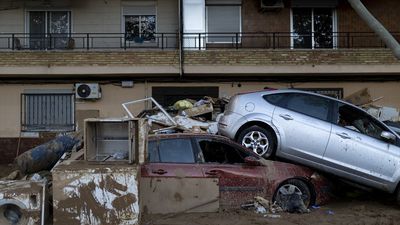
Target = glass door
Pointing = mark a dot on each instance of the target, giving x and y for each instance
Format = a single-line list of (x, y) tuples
[(312, 28), (37, 30), (58, 28), (49, 29)]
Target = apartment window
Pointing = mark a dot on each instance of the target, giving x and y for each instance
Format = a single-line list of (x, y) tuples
[(49, 29), (223, 21), (140, 28), (313, 28), (140, 21), (47, 111)]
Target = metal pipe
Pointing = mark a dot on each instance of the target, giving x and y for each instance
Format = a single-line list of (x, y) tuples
[(376, 26), (180, 34), (43, 203)]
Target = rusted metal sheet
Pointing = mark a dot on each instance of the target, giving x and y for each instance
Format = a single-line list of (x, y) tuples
[(172, 195), (23, 202), (95, 194)]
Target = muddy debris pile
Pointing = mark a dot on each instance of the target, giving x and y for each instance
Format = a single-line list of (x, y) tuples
[(186, 115)]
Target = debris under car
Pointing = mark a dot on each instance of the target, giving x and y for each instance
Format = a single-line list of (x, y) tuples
[(181, 157)]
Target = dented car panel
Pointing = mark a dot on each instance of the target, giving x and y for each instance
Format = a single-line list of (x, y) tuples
[(86, 193), (23, 202), (238, 182), (318, 131)]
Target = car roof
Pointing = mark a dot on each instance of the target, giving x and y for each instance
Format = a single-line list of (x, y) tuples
[(186, 135), (282, 91), (155, 137)]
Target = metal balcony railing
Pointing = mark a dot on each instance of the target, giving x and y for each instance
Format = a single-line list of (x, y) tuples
[(191, 41)]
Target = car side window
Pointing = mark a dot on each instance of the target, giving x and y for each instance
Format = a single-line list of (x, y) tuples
[(357, 120), (220, 152), (309, 105), (276, 99), (178, 150)]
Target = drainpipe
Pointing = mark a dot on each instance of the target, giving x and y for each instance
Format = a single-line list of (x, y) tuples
[(376, 26), (181, 52)]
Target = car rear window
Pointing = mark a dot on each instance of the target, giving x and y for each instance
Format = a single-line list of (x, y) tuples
[(176, 151), (275, 99)]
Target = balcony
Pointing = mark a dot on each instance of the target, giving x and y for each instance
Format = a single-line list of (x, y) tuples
[(191, 41), (208, 54)]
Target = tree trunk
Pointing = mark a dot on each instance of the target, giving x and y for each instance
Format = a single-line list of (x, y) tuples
[(376, 26)]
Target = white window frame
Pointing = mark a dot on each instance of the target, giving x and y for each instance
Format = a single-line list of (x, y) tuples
[(334, 29), (27, 21), (240, 26)]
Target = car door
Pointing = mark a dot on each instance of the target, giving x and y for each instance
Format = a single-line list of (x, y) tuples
[(356, 149), (172, 157), (238, 182), (303, 123)]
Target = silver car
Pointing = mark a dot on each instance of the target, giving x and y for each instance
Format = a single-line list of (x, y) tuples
[(316, 131)]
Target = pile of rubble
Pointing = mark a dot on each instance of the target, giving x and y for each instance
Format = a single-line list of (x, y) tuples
[(186, 115)]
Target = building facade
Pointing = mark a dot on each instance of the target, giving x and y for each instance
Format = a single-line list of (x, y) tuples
[(171, 49)]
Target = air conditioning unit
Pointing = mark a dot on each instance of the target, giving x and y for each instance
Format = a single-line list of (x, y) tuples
[(272, 4), (87, 91)]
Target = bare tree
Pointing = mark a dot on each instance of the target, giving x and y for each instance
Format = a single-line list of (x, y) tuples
[(376, 26)]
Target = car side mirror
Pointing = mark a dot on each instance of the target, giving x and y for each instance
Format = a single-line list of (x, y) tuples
[(252, 161), (388, 136)]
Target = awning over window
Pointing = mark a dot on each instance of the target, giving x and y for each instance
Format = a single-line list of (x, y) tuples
[(223, 2), (314, 3)]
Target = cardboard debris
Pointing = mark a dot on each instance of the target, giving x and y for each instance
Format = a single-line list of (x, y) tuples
[(199, 110), (359, 98)]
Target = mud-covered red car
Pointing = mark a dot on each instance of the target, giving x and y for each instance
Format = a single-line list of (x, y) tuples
[(242, 174)]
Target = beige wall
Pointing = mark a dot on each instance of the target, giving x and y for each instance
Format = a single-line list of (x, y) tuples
[(92, 16), (113, 96)]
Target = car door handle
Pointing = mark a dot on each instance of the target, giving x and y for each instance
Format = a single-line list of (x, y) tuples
[(343, 135), (212, 172), (286, 116), (159, 171)]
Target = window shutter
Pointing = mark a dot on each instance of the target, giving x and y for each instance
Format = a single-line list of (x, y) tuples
[(223, 19), (139, 8), (223, 2), (314, 4), (43, 111)]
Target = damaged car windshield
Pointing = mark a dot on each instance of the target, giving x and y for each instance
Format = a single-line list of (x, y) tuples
[(218, 152)]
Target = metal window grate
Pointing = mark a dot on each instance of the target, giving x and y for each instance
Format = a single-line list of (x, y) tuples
[(48, 112)]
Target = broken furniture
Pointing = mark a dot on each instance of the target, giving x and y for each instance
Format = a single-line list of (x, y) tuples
[(111, 140), (96, 194), (103, 188), (23, 202)]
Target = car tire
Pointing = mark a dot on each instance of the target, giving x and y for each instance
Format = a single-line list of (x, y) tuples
[(293, 186), (260, 140)]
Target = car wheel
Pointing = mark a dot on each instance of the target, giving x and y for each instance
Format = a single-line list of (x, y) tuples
[(294, 195), (258, 139)]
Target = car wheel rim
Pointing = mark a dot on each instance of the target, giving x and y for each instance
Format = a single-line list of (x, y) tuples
[(257, 141), (289, 189)]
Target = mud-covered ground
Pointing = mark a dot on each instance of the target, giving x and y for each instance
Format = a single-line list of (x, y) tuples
[(349, 206)]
